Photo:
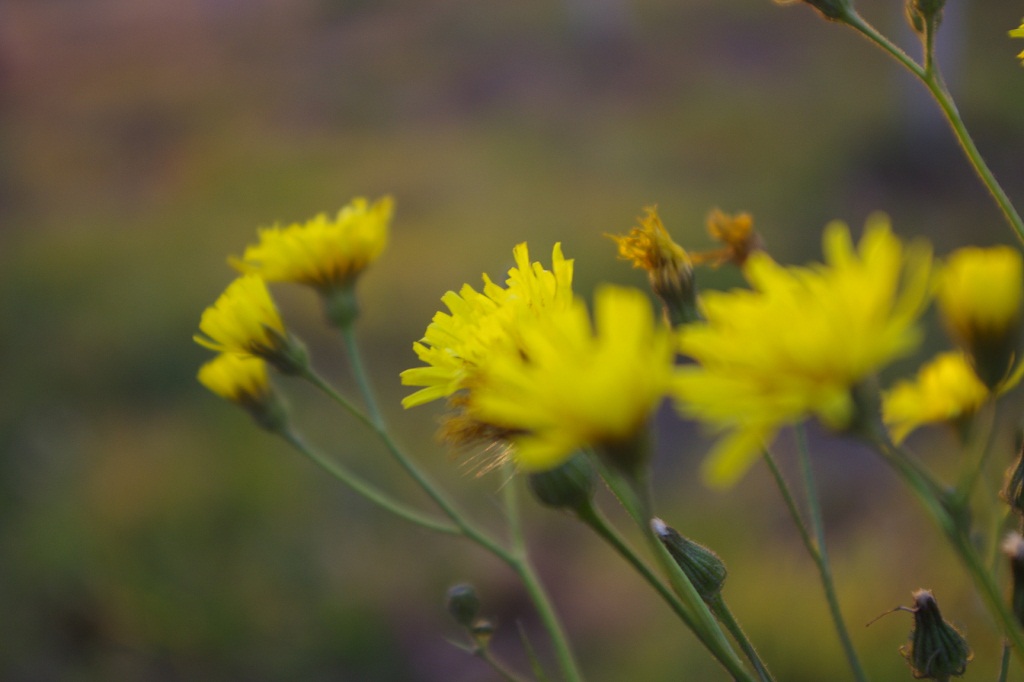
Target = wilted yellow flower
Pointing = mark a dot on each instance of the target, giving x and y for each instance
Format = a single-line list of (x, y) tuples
[(1018, 33), (736, 233), (798, 342), (576, 383), (480, 325), (945, 390), (243, 320), (980, 293), (239, 379), (668, 267), (323, 252)]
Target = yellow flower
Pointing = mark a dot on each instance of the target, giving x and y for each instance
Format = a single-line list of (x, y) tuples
[(945, 390), (239, 379), (668, 267), (798, 342), (1018, 33), (578, 384), (480, 325), (736, 233), (980, 293), (324, 253)]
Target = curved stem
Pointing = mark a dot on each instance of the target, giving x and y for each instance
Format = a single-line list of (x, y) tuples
[(362, 379), (933, 81), (724, 615), (365, 489), (517, 563), (815, 546)]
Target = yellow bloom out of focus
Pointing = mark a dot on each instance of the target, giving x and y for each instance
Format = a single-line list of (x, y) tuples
[(979, 295), (323, 252), (1018, 33), (737, 235), (578, 383), (240, 379), (481, 325), (800, 340), (243, 320), (945, 390)]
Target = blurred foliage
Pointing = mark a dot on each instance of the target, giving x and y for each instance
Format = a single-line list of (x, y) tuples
[(148, 532)]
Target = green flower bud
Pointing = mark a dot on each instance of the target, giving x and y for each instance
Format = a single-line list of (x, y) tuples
[(937, 650), (463, 604), (702, 566), (569, 486), (924, 13)]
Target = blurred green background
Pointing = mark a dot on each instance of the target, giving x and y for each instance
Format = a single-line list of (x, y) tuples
[(149, 532)]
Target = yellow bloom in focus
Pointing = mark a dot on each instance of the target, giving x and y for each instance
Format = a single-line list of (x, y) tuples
[(736, 233), (576, 383), (1018, 33), (480, 325), (980, 294), (796, 344), (668, 266), (243, 320), (945, 390), (240, 379), (323, 252)]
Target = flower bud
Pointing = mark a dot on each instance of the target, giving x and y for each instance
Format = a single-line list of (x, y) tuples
[(937, 650), (1013, 547), (569, 486), (702, 566), (924, 15), (463, 604)]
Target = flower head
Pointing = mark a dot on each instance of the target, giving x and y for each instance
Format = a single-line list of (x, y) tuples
[(945, 390), (578, 383), (245, 321), (480, 325), (736, 234), (800, 340), (323, 252), (937, 650), (668, 266), (243, 380), (1018, 33), (980, 294)]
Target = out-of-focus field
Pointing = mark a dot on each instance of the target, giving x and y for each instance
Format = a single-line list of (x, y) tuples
[(149, 532)]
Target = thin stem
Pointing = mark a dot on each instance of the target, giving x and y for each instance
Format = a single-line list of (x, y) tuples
[(519, 564), (724, 615), (814, 549), (932, 80), (365, 489), (818, 528), (1004, 664), (979, 440), (362, 379)]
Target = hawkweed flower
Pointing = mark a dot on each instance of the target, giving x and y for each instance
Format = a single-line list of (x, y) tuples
[(944, 390), (799, 341), (577, 383), (242, 380), (979, 295), (937, 650), (1019, 33), (669, 269), (735, 231), (326, 253), (245, 321), (480, 325)]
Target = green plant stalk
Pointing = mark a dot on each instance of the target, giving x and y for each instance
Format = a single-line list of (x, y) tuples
[(355, 357), (815, 548), (932, 79), (634, 498), (519, 565), (979, 439), (365, 489), (1004, 663), (724, 615), (946, 517)]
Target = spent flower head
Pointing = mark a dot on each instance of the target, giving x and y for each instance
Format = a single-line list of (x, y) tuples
[(735, 231), (323, 252), (937, 650), (979, 295), (577, 383), (800, 340), (944, 390)]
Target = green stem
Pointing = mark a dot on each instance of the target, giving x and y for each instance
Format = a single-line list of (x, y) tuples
[(814, 544), (633, 495), (1004, 664), (979, 440), (724, 615), (932, 80), (362, 379), (517, 563), (365, 489)]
